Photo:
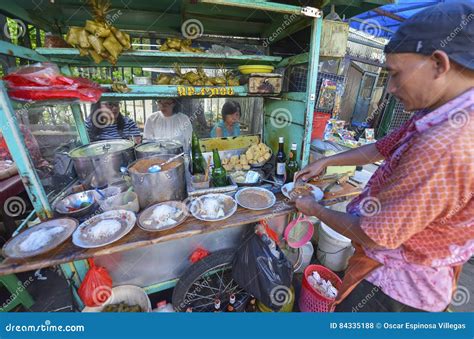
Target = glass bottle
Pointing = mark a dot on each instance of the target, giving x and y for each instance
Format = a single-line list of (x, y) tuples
[(280, 161), (219, 174), (292, 165), (199, 164)]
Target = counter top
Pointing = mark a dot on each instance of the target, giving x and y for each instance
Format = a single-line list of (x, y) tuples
[(137, 238)]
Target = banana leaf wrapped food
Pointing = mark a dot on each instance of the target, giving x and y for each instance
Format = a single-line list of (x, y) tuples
[(95, 56), (122, 37), (83, 40), (97, 28), (163, 79), (72, 37), (96, 43), (113, 46)]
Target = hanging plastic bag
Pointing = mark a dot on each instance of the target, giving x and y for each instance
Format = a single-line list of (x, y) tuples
[(262, 270), (44, 82), (96, 287)]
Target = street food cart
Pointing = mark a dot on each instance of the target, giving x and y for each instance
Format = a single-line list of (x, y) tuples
[(155, 260)]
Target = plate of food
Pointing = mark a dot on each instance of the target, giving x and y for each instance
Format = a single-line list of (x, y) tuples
[(40, 238), (300, 191), (213, 207), (104, 229), (163, 216), (255, 198), (255, 156)]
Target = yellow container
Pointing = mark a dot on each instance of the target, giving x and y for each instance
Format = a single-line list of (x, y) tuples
[(248, 69)]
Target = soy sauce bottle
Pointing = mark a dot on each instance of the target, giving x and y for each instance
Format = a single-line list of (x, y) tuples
[(280, 161), (292, 165)]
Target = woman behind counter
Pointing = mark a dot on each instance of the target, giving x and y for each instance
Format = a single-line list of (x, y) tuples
[(229, 126), (169, 124), (106, 122)]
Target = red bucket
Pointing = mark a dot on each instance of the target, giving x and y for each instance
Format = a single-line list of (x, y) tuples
[(312, 300)]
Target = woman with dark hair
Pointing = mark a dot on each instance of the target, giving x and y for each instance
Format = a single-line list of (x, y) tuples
[(106, 122), (229, 126), (169, 124)]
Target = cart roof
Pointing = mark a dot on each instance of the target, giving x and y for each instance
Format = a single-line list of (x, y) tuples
[(243, 18)]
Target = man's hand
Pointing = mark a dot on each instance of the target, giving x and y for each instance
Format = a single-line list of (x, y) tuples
[(307, 205), (312, 170)]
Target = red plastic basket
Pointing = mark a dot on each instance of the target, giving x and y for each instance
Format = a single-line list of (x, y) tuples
[(312, 300)]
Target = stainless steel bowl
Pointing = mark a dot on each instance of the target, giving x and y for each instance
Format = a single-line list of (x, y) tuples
[(71, 205)]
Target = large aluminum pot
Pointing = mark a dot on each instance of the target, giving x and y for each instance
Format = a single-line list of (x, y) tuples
[(158, 147), (98, 164), (151, 188)]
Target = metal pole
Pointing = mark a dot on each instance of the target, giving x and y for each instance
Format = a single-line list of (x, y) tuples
[(16, 145), (313, 67)]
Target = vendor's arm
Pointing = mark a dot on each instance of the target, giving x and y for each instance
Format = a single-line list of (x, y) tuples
[(363, 155), (343, 223)]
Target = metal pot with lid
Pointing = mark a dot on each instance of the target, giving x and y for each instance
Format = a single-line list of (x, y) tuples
[(98, 164), (158, 147)]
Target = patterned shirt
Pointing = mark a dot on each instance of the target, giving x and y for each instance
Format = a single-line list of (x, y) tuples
[(419, 205), (111, 131)]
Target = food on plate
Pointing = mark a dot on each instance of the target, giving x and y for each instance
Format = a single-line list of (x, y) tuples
[(238, 176), (104, 229), (255, 155), (255, 199), (122, 307), (164, 215), (301, 191), (40, 238), (211, 208)]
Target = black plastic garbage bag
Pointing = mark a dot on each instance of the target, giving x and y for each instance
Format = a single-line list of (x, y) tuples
[(265, 274)]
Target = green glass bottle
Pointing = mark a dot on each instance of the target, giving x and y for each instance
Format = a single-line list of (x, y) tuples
[(219, 174), (199, 164), (292, 164)]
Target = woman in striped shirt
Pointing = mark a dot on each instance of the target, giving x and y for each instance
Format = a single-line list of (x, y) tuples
[(106, 122)]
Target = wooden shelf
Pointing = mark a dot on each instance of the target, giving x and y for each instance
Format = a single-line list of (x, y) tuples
[(142, 58), (170, 91), (137, 238)]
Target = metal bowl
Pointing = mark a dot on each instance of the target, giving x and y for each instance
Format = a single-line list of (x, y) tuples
[(71, 205)]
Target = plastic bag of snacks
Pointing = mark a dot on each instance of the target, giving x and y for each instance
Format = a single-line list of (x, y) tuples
[(96, 287)]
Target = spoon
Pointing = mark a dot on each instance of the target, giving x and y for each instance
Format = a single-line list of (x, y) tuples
[(157, 168)]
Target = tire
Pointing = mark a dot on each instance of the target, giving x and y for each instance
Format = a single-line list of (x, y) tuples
[(196, 272)]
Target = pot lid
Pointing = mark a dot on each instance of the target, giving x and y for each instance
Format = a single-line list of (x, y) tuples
[(101, 148), (158, 145)]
